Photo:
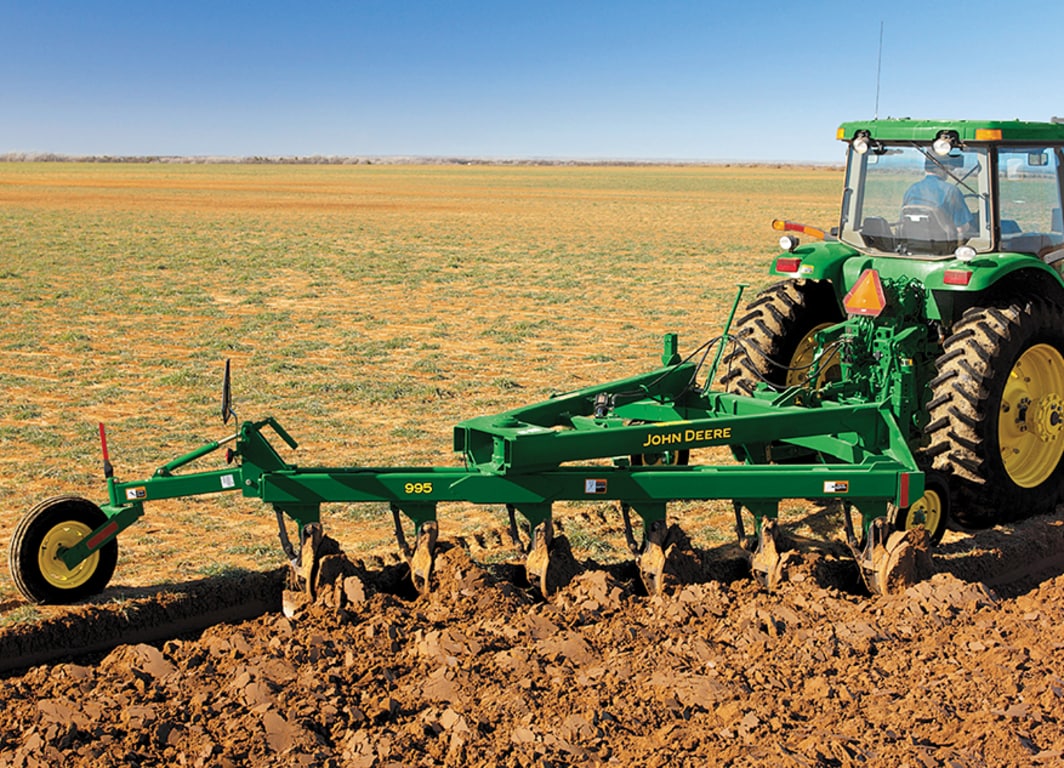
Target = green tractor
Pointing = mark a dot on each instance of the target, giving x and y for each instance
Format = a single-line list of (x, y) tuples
[(951, 237)]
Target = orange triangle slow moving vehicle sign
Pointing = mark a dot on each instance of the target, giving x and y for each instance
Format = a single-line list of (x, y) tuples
[(866, 297)]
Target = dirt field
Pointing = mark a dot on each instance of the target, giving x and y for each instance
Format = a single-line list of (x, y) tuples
[(369, 309)]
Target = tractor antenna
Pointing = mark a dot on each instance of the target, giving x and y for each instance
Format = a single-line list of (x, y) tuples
[(879, 68)]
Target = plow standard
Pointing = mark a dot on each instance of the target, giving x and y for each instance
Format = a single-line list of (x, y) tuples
[(910, 366)]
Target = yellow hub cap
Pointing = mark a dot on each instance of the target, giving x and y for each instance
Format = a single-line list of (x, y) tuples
[(65, 535), (1031, 427), (802, 360), (925, 513)]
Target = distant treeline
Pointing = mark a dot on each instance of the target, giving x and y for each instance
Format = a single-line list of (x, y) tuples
[(51, 157)]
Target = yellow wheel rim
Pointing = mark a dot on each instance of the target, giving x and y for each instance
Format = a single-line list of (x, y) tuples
[(1031, 424), (802, 359), (65, 535), (926, 512)]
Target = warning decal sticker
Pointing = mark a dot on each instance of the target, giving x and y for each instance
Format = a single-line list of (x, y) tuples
[(594, 486)]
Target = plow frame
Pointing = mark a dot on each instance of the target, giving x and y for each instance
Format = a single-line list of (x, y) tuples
[(530, 458)]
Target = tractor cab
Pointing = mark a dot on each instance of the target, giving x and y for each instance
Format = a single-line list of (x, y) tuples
[(933, 190)]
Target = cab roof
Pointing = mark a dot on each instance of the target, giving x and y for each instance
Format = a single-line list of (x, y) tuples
[(990, 131)]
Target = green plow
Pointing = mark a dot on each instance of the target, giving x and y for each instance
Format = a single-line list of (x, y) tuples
[(627, 441)]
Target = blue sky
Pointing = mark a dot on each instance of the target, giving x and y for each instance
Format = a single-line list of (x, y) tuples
[(752, 80)]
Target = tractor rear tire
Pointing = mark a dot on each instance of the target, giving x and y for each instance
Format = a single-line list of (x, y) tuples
[(55, 523), (775, 338), (997, 412)]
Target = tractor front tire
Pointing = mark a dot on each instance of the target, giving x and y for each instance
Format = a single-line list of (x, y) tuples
[(997, 412), (775, 339), (50, 527)]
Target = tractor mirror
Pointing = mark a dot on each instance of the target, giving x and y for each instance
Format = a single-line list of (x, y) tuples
[(1037, 158), (226, 395)]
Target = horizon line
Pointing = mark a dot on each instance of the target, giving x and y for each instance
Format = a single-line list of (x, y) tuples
[(55, 157)]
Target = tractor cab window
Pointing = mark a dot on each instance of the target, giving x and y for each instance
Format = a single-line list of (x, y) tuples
[(1030, 201), (910, 201)]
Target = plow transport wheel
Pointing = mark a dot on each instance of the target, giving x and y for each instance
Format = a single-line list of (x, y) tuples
[(54, 525)]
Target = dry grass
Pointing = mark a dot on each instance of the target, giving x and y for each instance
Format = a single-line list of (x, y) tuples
[(367, 308)]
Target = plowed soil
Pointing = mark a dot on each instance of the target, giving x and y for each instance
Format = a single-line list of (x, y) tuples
[(717, 671)]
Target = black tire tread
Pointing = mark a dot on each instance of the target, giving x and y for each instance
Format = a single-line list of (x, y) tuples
[(774, 322), (979, 353)]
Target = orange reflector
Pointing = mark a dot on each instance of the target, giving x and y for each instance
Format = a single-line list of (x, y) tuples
[(988, 134), (957, 277), (866, 297), (840, 134), (788, 264), (792, 226)]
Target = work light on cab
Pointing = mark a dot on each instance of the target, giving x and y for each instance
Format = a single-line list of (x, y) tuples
[(862, 142), (945, 143)]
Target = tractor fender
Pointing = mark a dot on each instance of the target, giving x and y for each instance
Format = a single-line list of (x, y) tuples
[(992, 280), (984, 273), (952, 284)]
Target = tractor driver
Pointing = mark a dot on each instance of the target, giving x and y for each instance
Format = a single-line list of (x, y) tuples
[(935, 191)]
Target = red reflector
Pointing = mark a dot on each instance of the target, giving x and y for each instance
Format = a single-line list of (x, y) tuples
[(94, 542), (788, 264), (866, 297), (957, 277), (903, 489)]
